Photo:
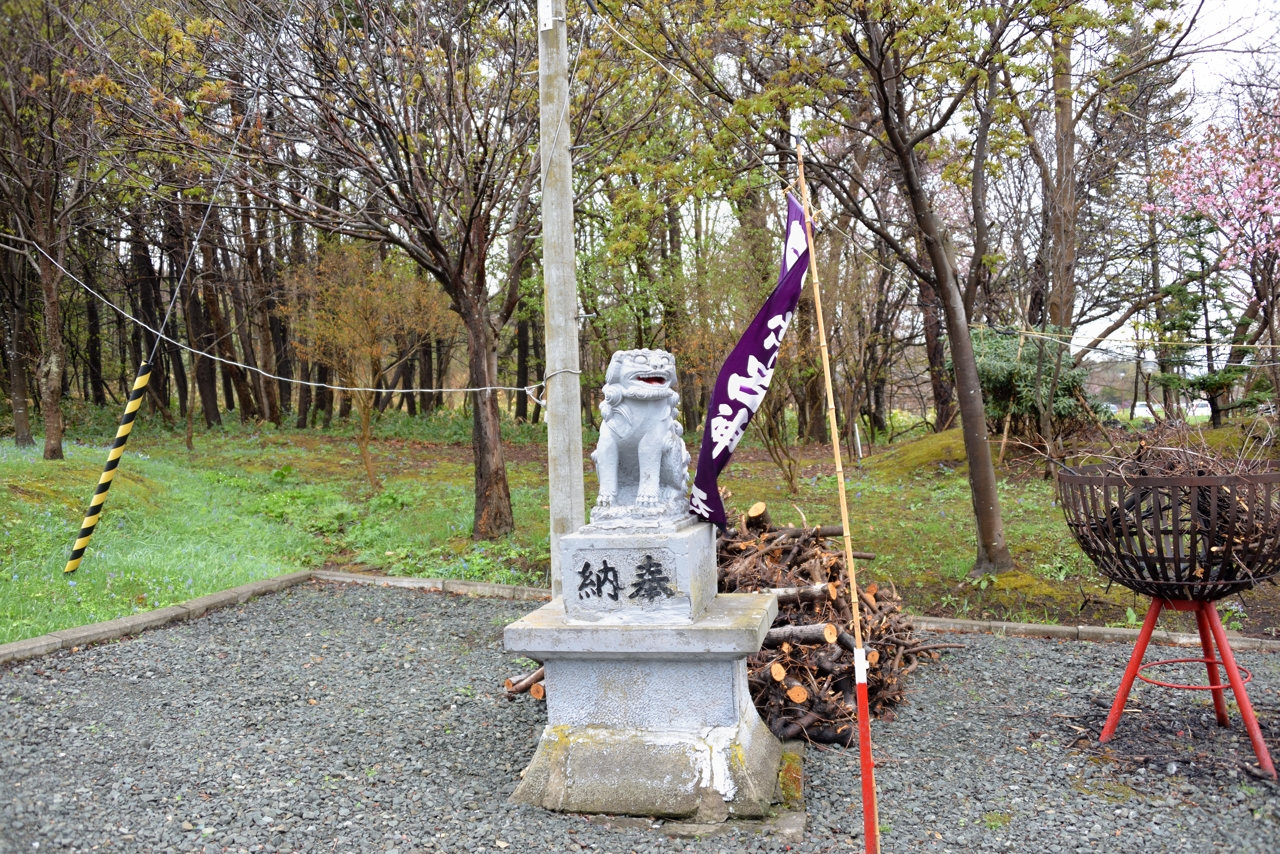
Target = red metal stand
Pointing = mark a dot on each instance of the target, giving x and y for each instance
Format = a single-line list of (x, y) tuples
[(1211, 631)]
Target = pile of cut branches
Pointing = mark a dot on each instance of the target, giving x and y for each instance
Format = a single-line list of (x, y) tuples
[(802, 682), (1179, 451)]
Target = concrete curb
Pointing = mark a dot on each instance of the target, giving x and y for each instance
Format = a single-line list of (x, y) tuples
[(137, 623), (443, 585), (1083, 633)]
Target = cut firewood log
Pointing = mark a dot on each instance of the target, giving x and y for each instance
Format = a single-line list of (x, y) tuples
[(810, 593), (538, 691), (818, 633), (758, 518), (790, 730), (522, 684), (778, 671), (798, 694)]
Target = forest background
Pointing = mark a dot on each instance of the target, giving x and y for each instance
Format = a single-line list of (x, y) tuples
[(309, 194)]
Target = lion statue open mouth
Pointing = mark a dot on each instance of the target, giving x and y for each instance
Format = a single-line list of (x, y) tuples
[(641, 460)]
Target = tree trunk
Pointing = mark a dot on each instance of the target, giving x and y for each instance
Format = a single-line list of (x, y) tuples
[(522, 369), (324, 404), (254, 381), (97, 387), (304, 393), (52, 361), (201, 340), (407, 395), (993, 552), (179, 375), (170, 343), (1062, 210), (944, 401), (540, 362), (283, 359), (444, 354), (228, 393), (493, 517), (813, 400), (222, 337), (403, 377), (191, 410), (364, 401), (258, 314), (146, 280), (18, 392), (426, 379)]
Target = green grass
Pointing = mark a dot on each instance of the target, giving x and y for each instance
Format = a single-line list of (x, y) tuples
[(251, 502), (170, 533), (254, 501)]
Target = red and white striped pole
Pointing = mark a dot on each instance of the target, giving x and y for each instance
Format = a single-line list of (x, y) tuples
[(870, 813)]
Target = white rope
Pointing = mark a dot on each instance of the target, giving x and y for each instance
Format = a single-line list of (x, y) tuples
[(202, 354)]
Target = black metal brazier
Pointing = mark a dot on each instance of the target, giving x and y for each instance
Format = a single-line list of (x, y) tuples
[(1182, 537)]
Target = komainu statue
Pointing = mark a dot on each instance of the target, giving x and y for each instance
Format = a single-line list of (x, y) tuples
[(641, 460)]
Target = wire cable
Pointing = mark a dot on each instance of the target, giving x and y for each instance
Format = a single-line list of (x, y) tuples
[(222, 177), (267, 374), (1192, 346)]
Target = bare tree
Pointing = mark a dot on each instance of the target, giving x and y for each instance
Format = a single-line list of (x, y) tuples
[(420, 120), (51, 137)]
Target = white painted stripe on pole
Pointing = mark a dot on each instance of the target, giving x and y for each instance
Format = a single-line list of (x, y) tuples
[(860, 665)]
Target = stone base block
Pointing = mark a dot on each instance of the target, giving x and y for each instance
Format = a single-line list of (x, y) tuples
[(639, 576), (708, 775), (651, 719), (733, 626)]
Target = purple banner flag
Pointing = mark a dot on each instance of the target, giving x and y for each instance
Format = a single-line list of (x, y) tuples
[(745, 376)]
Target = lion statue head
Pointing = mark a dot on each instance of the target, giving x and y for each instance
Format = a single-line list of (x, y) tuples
[(640, 374)]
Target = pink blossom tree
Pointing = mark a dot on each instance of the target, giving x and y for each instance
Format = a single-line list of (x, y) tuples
[(1231, 180)]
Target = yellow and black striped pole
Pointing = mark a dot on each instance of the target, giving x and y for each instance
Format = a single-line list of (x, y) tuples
[(109, 472)]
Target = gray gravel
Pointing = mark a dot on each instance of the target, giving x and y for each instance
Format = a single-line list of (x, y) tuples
[(366, 719)]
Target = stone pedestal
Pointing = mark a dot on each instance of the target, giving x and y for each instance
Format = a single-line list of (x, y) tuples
[(654, 575), (647, 701)]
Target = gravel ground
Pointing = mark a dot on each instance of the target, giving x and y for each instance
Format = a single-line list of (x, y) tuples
[(351, 719)]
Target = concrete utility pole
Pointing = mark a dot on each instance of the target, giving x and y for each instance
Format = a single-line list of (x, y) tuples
[(564, 409)]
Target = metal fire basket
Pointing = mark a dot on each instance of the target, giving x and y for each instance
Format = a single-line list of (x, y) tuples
[(1186, 541)]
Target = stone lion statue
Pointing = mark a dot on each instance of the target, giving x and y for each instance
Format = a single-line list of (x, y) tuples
[(641, 460)]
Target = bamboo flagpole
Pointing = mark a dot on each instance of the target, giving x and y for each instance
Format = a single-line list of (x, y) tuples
[(870, 812)]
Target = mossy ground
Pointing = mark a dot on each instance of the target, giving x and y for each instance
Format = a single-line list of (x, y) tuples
[(251, 502)]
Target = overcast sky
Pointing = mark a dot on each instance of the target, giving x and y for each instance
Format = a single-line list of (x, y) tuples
[(1240, 27)]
